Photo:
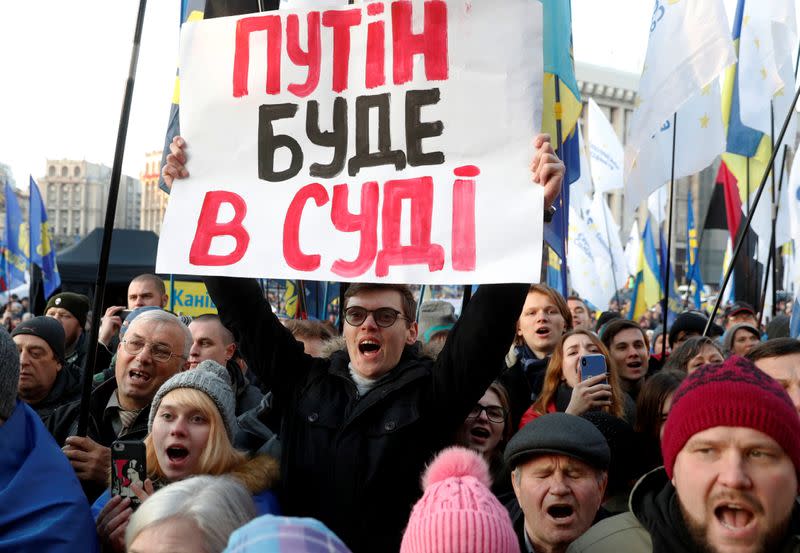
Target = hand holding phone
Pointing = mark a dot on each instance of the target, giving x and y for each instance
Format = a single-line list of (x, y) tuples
[(593, 364), (128, 467), (593, 391)]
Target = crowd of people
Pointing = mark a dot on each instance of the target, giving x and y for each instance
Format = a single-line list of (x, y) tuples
[(430, 434)]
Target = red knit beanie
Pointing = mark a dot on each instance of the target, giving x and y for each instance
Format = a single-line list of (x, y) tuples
[(734, 393), (458, 513)]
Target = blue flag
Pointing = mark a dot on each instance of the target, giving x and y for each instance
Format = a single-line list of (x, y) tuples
[(42, 253), (692, 266), (16, 252), (674, 305)]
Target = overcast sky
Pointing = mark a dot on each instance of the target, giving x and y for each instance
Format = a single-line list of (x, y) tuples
[(63, 67)]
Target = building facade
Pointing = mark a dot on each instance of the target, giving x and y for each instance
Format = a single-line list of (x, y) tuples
[(76, 196), (154, 200)]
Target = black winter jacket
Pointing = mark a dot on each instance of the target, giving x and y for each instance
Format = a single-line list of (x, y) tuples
[(355, 462), (66, 389)]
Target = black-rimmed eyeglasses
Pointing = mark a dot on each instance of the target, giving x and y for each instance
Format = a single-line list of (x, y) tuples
[(383, 316), (494, 413)]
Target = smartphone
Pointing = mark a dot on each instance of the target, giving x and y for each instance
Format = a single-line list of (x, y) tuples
[(123, 314), (593, 365), (127, 468)]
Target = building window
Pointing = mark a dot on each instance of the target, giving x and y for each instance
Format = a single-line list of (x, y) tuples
[(64, 172), (52, 171), (76, 172)]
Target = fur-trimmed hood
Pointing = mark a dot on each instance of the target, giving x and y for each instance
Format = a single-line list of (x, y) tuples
[(423, 350), (257, 474)]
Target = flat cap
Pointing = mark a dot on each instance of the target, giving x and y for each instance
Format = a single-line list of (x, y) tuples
[(560, 434)]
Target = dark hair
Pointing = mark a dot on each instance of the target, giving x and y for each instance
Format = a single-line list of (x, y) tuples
[(652, 396), (409, 303), (303, 328), (615, 326), (777, 347), (152, 278), (213, 317), (680, 357)]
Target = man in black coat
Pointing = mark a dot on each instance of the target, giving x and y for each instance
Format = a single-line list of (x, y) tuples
[(358, 428)]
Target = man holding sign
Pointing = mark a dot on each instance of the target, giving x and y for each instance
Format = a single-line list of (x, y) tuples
[(434, 118), (358, 428)]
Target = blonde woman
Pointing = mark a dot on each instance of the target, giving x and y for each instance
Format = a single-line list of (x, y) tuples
[(192, 423)]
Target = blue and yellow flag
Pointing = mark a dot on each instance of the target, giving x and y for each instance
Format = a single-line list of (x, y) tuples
[(647, 289), (560, 112), (42, 253), (191, 10), (692, 266), (743, 141), (16, 252)]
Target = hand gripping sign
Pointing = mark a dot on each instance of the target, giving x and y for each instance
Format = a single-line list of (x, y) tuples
[(388, 141)]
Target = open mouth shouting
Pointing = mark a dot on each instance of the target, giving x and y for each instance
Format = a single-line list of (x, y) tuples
[(177, 458), (480, 434), (139, 377), (561, 513), (635, 367), (736, 519), (543, 332), (370, 348)]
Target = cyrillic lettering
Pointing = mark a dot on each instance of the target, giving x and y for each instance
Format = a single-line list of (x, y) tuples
[(432, 43), (366, 223), (208, 228), (385, 155), (268, 142), (375, 62), (464, 257), (417, 130), (336, 139), (295, 258), (241, 57), (310, 58), (420, 193), (341, 21)]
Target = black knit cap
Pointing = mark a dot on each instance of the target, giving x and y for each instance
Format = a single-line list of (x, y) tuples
[(559, 434), (688, 321), (46, 328), (77, 304)]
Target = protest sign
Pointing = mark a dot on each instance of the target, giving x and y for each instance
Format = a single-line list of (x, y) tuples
[(388, 141)]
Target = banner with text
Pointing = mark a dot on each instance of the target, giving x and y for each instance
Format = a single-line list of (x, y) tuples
[(388, 141)]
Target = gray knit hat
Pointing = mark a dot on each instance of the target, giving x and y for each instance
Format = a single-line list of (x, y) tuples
[(435, 316), (9, 374), (212, 379)]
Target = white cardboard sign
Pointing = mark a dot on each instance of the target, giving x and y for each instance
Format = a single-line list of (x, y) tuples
[(387, 141)]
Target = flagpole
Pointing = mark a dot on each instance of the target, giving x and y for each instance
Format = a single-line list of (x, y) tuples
[(111, 208), (562, 195), (665, 301), (750, 213)]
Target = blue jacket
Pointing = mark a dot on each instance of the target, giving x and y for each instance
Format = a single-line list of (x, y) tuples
[(42, 506)]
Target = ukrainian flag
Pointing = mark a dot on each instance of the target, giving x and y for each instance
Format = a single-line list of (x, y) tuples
[(647, 290), (560, 112), (743, 142)]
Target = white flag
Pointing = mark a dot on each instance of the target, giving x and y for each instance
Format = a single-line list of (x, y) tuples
[(588, 258), (580, 191), (657, 205), (766, 43), (688, 47), (700, 139), (607, 155), (632, 249), (601, 221)]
